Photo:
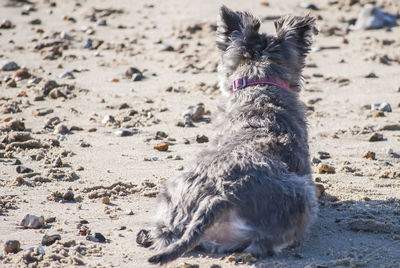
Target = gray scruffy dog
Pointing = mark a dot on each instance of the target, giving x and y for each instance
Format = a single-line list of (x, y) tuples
[(251, 190)]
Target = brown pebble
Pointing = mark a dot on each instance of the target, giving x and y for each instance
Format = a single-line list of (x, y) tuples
[(12, 246), (114, 80), (163, 146), (201, 139), (324, 168), (105, 200), (22, 74), (379, 114), (370, 155), (375, 137)]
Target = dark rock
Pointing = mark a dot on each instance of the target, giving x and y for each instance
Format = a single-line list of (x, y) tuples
[(17, 125), (61, 129), (102, 22), (137, 77), (22, 169), (57, 162), (201, 139), (123, 133), (6, 24), (68, 196), (98, 237), (143, 238), (131, 71), (49, 240), (323, 155), (167, 48), (371, 75), (35, 22), (47, 86)]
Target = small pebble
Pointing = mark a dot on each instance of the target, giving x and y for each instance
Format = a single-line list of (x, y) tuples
[(167, 48), (137, 77), (375, 137), (68, 196), (98, 237), (49, 240), (371, 75), (143, 238), (61, 129), (22, 169), (123, 133), (201, 139), (22, 74), (35, 22), (163, 146), (322, 155), (106, 200), (371, 17), (32, 221), (12, 246), (370, 155), (179, 167), (325, 168), (384, 106), (102, 22), (57, 162), (6, 24), (10, 66), (68, 75)]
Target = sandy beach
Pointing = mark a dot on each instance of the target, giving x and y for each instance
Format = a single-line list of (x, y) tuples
[(95, 85)]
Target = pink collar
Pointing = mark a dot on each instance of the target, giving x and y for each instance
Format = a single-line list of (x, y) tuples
[(242, 82)]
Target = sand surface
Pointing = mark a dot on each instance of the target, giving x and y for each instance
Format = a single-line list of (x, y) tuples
[(359, 218)]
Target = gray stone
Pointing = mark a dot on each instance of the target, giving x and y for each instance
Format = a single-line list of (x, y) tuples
[(371, 17), (384, 106), (32, 221), (10, 66), (61, 128)]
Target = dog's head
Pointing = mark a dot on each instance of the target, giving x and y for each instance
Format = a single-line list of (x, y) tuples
[(246, 52)]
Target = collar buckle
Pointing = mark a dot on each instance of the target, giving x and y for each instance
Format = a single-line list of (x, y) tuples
[(239, 84)]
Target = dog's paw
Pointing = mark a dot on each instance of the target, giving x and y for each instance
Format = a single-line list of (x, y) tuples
[(143, 238), (158, 259)]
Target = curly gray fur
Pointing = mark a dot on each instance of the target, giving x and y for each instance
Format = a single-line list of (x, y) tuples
[(251, 188)]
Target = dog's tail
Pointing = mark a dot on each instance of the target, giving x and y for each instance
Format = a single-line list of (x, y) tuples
[(207, 213)]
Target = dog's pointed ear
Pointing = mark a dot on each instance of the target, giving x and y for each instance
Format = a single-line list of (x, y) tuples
[(296, 31), (232, 24)]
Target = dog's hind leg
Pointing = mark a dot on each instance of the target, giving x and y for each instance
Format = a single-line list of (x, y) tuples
[(208, 212)]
